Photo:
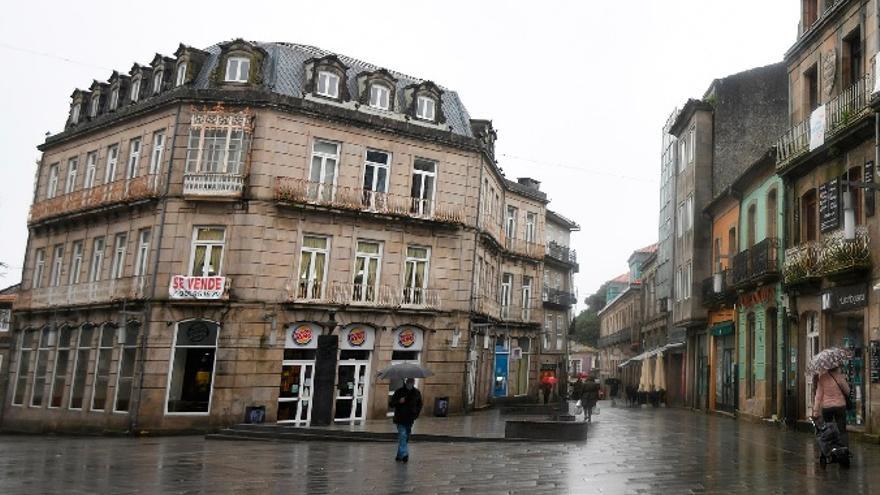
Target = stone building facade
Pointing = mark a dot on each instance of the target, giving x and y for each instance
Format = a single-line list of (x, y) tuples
[(262, 227)]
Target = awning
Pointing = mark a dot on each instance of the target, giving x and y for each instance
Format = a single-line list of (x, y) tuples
[(649, 354), (722, 329)]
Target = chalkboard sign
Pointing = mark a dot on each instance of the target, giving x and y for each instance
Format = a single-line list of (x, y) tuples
[(869, 193), (875, 361), (829, 206)]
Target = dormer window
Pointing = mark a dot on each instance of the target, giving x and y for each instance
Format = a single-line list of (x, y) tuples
[(93, 107), (328, 84), (237, 69), (425, 108), (114, 98), (379, 96), (135, 89), (181, 75), (74, 114), (157, 82)]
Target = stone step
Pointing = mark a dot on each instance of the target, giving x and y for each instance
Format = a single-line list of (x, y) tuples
[(275, 433)]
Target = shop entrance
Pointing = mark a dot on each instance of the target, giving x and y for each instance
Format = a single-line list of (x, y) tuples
[(725, 373), (407, 348), (294, 397), (352, 378), (812, 320), (502, 355)]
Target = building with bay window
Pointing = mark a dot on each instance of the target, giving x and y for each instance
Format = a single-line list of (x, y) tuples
[(267, 225)]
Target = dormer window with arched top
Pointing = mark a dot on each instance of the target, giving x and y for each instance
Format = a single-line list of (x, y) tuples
[(180, 79), (380, 96), (135, 89), (376, 89), (157, 82), (425, 108), (328, 84), (114, 99), (94, 105), (74, 113), (237, 69)]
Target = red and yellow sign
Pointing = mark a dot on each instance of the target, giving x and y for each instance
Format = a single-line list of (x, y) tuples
[(302, 335), (357, 336), (406, 338), (762, 295)]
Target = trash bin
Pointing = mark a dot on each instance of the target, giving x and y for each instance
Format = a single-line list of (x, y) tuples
[(441, 407), (254, 414)]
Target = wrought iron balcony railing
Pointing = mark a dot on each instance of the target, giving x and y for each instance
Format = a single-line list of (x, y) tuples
[(560, 297), (314, 291), (102, 196), (757, 263), (213, 185), (839, 255), (740, 267), (717, 287), (562, 253), (99, 292), (300, 191), (801, 263)]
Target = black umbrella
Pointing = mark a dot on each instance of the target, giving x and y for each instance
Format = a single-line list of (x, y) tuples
[(403, 371)]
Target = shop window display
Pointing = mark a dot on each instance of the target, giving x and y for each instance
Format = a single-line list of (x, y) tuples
[(192, 367)]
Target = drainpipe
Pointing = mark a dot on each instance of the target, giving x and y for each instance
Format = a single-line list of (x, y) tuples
[(471, 330), (135, 415)]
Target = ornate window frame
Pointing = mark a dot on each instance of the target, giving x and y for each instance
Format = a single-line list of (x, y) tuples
[(332, 64), (239, 48), (425, 89), (366, 82), (160, 65), (118, 83), (193, 58)]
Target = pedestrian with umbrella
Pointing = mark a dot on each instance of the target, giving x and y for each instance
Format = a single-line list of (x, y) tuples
[(547, 383), (406, 401), (832, 390)]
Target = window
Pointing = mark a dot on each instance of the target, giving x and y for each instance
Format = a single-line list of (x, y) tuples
[(41, 367), (157, 81), (689, 211), (62, 361), (731, 245), (688, 280), (76, 262), (207, 251), (692, 145), (422, 190), (425, 108), (312, 267), (143, 253), (811, 88), (52, 189), (771, 214), (93, 106), (368, 261), (5, 319), (510, 223), (379, 96), (102, 367), (39, 267), (680, 220), (24, 366), (114, 99), (215, 148), (322, 177), (853, 57), (682, 155), (91, 169), (526, 298), (74, 113), (134, 154), (158, 148), (135, 89), (112, 159), (81, 366), (57, 260), (548, 329), (560, 333), (328, 84), (506, 287), (181, 74), (238, 69), (72, 169), (118, 266), (125, 372), (376, 179), (191, 375), (415, 279), (810, 223), (855, 175), (750, 355), (97, 259), (531, 222), (752, 224)]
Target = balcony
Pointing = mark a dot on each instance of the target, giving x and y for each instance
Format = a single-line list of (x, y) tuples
[(561, 253), (524, 248), (103, 291), (757, 264), (618, 337), (832, 256), (558, 297), (343, 293), (103, 196), (715, 294), (204, 185), (849, 106), (298, 191)]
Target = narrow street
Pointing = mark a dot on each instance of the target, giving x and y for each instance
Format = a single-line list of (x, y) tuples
[(629, 451)]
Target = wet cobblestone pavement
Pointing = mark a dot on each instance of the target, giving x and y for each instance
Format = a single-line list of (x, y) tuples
[(629, 451)]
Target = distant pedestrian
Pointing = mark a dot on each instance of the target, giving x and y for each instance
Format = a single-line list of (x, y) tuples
[(830, 402), (577, 389), (590, 397), (407, 404), (546, 389)]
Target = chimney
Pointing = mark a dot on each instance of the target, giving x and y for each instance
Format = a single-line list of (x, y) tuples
[(530, 183)]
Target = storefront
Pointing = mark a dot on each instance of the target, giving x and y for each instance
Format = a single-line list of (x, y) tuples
[(844, 309), (408, 342), (356, 342), (297, 373), (759, 320), (723, 377), (502, 361)]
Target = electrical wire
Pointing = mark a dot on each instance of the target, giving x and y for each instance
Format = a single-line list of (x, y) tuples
[(50, 55), (579, 169)]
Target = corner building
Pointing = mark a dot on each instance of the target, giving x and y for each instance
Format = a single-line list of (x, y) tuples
[(266, 225)]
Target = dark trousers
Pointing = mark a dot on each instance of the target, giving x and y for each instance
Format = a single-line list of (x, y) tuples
[(838, 415)]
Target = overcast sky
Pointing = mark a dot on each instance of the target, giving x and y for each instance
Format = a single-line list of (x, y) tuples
[(578, 90)]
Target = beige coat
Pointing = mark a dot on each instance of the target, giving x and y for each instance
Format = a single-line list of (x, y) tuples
[(828, 394)]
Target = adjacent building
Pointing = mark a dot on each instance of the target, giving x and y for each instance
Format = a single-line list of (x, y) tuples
[(262, 227)]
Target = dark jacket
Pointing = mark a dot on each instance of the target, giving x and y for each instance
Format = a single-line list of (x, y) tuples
[(405, 413), (591, 394), (577, 390)]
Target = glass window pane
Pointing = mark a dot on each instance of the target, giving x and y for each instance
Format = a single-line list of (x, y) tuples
[(368, 247), (417, 252), (315, 242), (210, 234), (425, 165), (377, 157), (325, 147)]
